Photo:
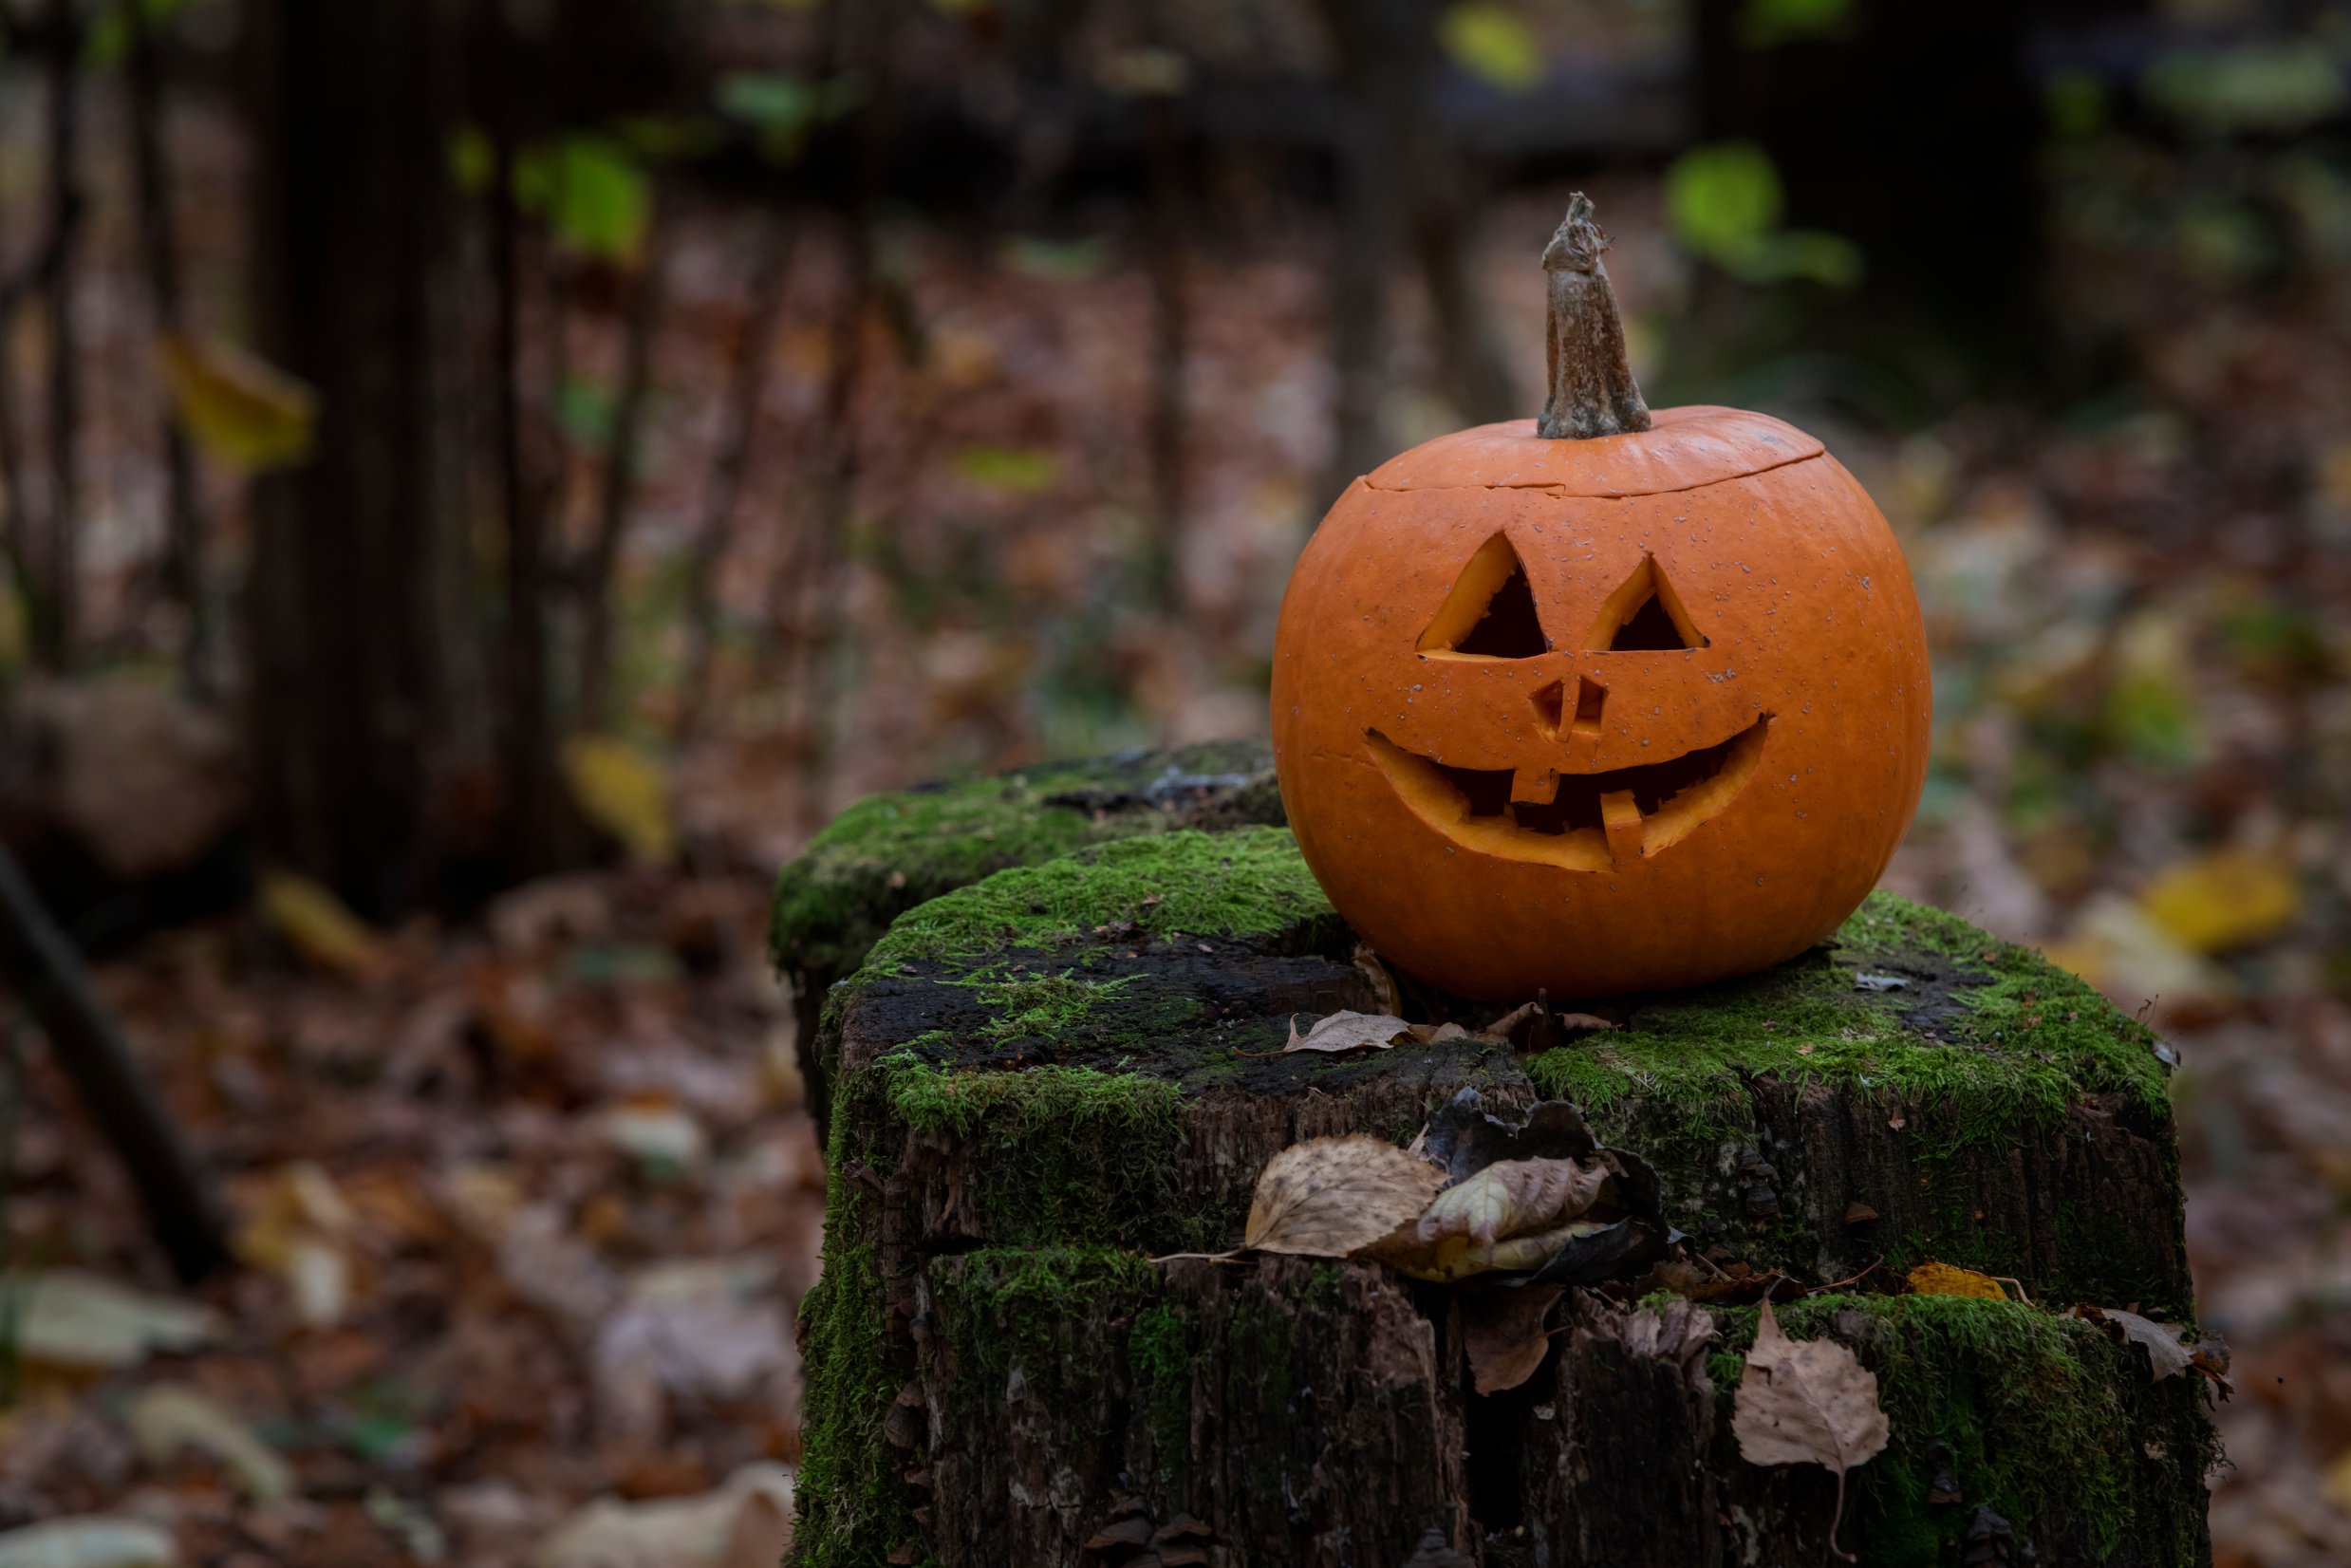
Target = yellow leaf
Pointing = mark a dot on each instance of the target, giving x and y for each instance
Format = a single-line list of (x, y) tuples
[(1489, 40), (316, 925), (1932, 1278), (241, 409), (623, 792), (2228, 898), (2337, 1483)]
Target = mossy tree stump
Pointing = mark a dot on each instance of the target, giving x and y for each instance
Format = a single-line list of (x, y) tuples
[(889, 853), (1049, 1077)]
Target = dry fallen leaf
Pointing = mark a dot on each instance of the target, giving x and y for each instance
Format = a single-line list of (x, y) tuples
[(1511, 1197), (317, 924), (168, 1418), (2227, 898), (1504, 1332), (2166, 1355), (624, 790), (1934, 1279), (1457, 1257), (745, 1523), (1500, 1029), (1333, 1197), (92, 1541), (66, 1318), (1376, 974), (1807, 1402), (1348, 1031)]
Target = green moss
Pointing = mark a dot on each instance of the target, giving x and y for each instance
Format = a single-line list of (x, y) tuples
[(2023, 1044), (1159, 1352), (851, 1507), (1022, 1310), (1066, 1152), (1241, 884), (890, 852), (2047, 1419)]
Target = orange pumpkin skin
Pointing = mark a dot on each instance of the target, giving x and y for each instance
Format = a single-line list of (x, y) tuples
[(1720, 806)]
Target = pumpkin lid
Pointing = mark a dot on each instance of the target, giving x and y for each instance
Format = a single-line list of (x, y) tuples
[(1682, 449)]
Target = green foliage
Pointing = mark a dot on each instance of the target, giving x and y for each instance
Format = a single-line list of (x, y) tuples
[(594, 191), (1492, 43), (583, 411), (2075, 105), (1055, 260), (108, 41), (1724, 201), (1013, 468), (783, 108), (2252, 89), (591, 187), (1766, 24)]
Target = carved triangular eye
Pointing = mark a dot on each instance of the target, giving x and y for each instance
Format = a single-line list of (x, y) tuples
[(1489, 612), (1644, 615)]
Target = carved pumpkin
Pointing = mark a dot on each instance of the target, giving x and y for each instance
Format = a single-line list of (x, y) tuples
[(1602, 703)]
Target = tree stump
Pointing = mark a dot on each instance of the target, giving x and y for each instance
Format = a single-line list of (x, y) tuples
[(889, 853), (1045, 1079)]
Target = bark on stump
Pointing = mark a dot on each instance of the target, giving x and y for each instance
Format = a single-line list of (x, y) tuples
[(1048, 1078)]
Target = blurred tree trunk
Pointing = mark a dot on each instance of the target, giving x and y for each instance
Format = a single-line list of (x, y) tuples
[(1400, 184), (348, 697)]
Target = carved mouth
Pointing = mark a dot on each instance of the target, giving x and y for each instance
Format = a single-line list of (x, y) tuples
[(1592, 821)]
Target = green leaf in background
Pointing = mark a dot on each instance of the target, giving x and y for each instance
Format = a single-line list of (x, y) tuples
[(1791, 256), (1008, 468), (658, 137), (1723, 203), (1492, 43), (108, 41), (1764, 24), (1723, 198), (583, 412), (782, 108), (2075, 105), (2276, 89), (471, 159), (593, 191), (1055, 260)]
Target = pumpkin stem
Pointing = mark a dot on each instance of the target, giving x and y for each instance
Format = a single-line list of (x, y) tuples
[(1593, 392)]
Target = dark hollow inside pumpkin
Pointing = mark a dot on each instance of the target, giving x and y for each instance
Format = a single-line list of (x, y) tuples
[(1578, 805)]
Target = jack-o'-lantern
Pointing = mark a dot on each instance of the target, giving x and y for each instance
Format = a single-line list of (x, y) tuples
[(1605, 701)]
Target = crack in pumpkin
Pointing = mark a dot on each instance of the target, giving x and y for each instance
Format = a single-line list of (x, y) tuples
[(1593, 820)]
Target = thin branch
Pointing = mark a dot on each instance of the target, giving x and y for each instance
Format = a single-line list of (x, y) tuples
[(815, 625), (1170, 333), (183, 555), (747, 384), (597, 569), (184, 1211), (528, 750), (54, 635)]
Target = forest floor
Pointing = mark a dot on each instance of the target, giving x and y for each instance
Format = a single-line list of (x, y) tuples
[(527, 1203)]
